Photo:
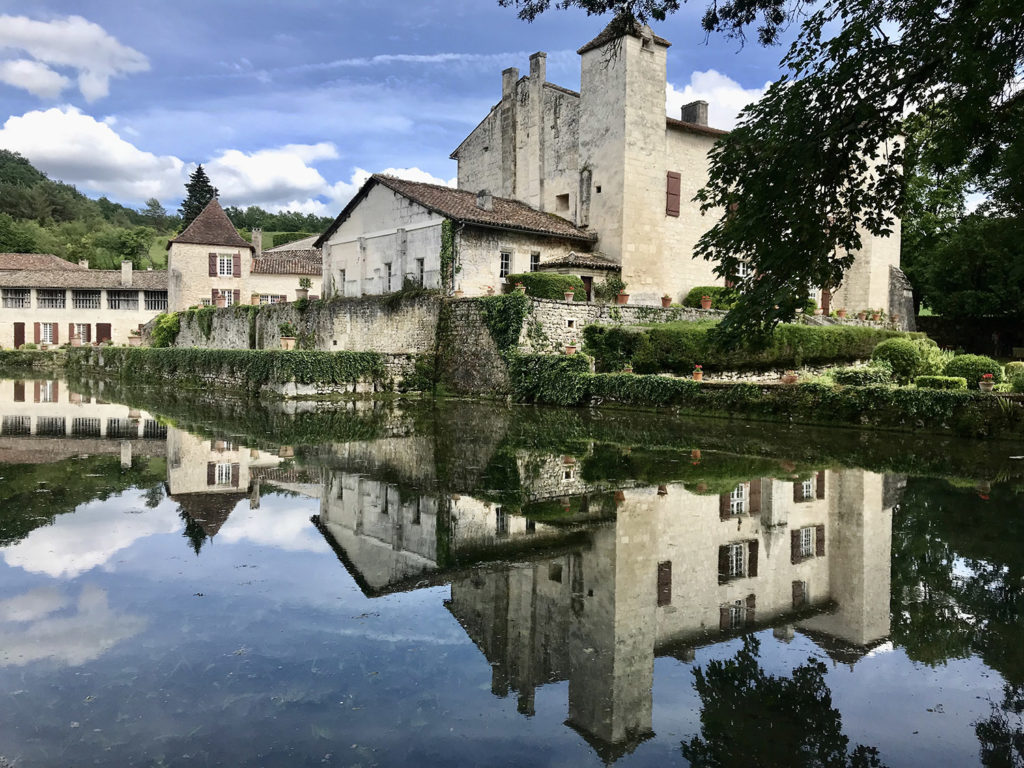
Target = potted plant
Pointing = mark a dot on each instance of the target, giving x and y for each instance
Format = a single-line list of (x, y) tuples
[(221, 299), (666, 301), (570, 295), (698, 372), (841, 313), (875, 315), (76, 340), (254, 299), (819, 311), (627, 368), (134, 339), (302, 292), (570, 348), (458, 293), (490, 290), (623, 297), (288, 335), (790, 377), (862, 315), (520, 288), (705, 302), (987, 382)]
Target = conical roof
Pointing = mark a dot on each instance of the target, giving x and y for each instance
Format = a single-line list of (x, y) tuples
[(211, 227)]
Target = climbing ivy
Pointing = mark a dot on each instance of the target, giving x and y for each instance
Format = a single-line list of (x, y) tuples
[(504, 317), (165, 330), (448, 266)]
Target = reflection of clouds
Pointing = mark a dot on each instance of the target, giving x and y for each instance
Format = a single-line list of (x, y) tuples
[(90, 537), (34, 633), (281, 522)]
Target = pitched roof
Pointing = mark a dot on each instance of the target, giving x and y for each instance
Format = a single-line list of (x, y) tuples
[(295, 245), (155, 280), (211, 227), (9, 261), (584, 260), (460, 205), (306, 262), (706, 130), (619, 27)]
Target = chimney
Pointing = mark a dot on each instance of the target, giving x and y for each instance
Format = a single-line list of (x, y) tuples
[(484, 201), (509, 78), (83, 263), (126, 274), (538, 67), (257, 240), (695, 112)]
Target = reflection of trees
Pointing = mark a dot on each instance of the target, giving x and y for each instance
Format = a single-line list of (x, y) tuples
[(751, 718), (958, 575), (154, 496), (193, 532), (1001, 735)]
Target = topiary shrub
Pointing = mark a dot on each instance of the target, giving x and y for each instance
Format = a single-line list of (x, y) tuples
[(940, 382), (721, 297), (546, 285), (863, 375), (902, 354), (973, 367), (1017, 382), (1013, 370)]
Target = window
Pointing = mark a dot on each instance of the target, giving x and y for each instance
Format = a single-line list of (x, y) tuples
[(225, 265), (535, 261), (272, 298), (84, 332), (737, 614), (224, 474), (123, 300), (799, 594), (153, 428), (569, 474), (229, 296), (506, 264), (50, 425), (501, 521), (742, 270), (531, 526), (17, 425), (555, 572), (50, 299), (738, 500), (85, 299), (17, 298), (806, 542), (665, 583), (48, 392), (46, 333), (562, 203), (85, 427), (341, 281), (156, 300), (387, 277), (420, 273), (570, 323), (121, 428), (736, 564), (807, 489)]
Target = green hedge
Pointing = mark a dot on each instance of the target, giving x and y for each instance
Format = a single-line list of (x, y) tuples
[(862, 375), (256, 367), (30, 358), (677, 347), (902, 355), (546, 285), (721, 297), (973, 367), (941, 382), (962, 413), (547, 378)]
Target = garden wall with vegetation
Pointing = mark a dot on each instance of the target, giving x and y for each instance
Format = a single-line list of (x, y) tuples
[(31, 360)]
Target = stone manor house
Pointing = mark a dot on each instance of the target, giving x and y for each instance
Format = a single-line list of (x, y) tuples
[(589, 183)]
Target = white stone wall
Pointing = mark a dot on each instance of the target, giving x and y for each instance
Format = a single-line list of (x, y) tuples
[(188, 456), (279, 285), (188, 274), (479, 256)]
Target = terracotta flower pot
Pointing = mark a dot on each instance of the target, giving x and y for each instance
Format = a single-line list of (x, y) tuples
[(705, 302), (875, 317), (790, 377), (666, 302), (628, 369), (301, 293), (134, 341), (862, 315), (698, 375), (221, 300), (570, 349), (287, 342), (458, 294), (570, 295), (819, 311), (841, 314), (622, 298)]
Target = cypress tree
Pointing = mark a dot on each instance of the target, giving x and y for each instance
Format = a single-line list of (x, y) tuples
[(198, 192)]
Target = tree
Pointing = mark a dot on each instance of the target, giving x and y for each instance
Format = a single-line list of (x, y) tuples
[(198, 193), (818, 160), (155, 214)]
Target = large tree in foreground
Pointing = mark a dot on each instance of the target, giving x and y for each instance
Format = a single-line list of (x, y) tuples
[(817, 161), (198, 193)]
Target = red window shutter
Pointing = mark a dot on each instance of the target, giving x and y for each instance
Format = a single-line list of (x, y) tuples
[(36, 332), (56, 333), (236, 265), (35, 391), (723, 507), (56, 391), (755, 496), (798, 491), (665, 583), (19, 391), (236, 296), (794, 546), (723, 617), (71, 331), (213, 265), (751, 616), (213, 295), (819, 487), (211, 473), (672, 194), (86, 333), (235, 470), (752, 559), (819, 540), (102, 332), (723, 564), (19, 334)]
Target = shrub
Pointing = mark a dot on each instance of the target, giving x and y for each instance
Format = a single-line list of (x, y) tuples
[(933, 359), (941, 382), (864, 375), (546, 285), (608, 289), (1017, 383), (973, 367), (1013, 370), (902, 354), (721, 297), (165, 330), (287, 329), (30, 345)]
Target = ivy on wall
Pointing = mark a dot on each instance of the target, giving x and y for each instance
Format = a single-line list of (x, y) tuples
[(504, 317), (448, 266)]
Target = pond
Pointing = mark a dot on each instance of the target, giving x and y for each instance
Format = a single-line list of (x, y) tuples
[(197, 580)]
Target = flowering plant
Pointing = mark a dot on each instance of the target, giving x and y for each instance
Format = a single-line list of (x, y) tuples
[(705, 296), (986, 376), (697, 368)]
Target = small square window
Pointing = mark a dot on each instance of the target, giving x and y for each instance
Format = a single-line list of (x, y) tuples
[(535, 261), (562, 203), (599, 189), (506, 264), (569, 474), (224, 474), (570, 323), (555, 572)]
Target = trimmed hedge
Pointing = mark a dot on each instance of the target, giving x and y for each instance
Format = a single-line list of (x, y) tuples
[(547, 285), (191, 366), (29, 358), (862, 375), (940, 382), (902, 355), (973, 367), (677, 347), (967, 414)]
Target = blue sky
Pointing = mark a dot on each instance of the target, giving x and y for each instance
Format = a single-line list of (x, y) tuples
[(290, 105)]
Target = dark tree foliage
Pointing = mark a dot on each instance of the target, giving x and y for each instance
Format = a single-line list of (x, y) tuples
[(198, 193), (752, 718), (285, 221), (1001, 734)]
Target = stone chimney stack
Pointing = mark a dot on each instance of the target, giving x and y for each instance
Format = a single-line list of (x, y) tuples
[(695, 112), (484, 201), (509, 81), (257, 240), (126, 274), (538, 67), (83, 263)]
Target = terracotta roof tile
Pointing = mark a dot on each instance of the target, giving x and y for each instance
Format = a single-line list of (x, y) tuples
[(211, 227), (584, 260), (694, 127), (83, 278), (9, 261), (307, 262), (619, 27)]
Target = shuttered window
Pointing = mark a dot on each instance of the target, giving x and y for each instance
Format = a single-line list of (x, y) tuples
[(672, 194), (665, 583)]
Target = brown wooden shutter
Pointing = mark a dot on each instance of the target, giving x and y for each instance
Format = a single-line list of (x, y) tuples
[(36, 334), (236, 295), (751, 616), (819, 486), (752, 559), (56, 391), (86, 333), (19, 391), (819, 540), (211, 473), (71, 331), (755, 496), (794, 546), (35, 391), (723, 564), (798, 492), (723, 507), (723, 617), (213, 265), (19, 334), (56, 333), (236, 265), (213, 295), (102, 332), (672, 194), (665, 583), (799, 594), (234, 475)]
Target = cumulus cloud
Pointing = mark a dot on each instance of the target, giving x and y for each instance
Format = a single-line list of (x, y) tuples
[(75, 43), (34, 76), (336, 195), (724, 95), (268, 176)]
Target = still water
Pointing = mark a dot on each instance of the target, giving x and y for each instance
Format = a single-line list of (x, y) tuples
[(196, 583)]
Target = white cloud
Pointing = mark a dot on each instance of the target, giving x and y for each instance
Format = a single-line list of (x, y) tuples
[(267, 176), (338, 194), (75, 43), (281, 522), (724, 95), (34, 77)]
